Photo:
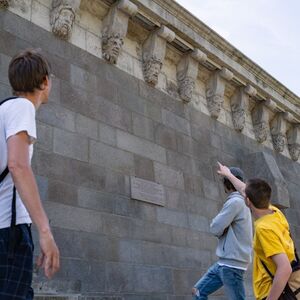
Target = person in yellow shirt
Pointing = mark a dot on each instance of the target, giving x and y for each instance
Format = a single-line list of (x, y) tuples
[(272, 243)]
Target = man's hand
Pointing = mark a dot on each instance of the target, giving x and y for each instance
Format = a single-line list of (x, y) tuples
[(223, 170), (238, 184), (49, 257)]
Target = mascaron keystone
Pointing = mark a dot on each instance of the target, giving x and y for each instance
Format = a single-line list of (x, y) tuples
[(278, 131), (187, 72), (4, 3), (293, 140), (260, 120), (154, 51), (115, 26), (62, 17), (237, 104), (215, 91)]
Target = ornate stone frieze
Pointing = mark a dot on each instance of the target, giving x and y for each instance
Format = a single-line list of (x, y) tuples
[(4, 3), (115, 27), (293, 140), (278, 130), (187, 72), (215, 91), (154, 51), (62, 17), (260, 120), (237, 104)]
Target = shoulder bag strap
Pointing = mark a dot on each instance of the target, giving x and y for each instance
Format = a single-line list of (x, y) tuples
[(266, 268)]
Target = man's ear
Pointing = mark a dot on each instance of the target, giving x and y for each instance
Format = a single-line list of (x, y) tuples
[(247, 201), (45, 83)]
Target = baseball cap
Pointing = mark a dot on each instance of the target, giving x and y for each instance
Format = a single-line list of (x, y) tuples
[(237, 172)]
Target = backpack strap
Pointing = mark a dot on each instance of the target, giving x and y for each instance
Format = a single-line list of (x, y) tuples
[(12, 239), (9, 98), (266, 268), (3, 174)]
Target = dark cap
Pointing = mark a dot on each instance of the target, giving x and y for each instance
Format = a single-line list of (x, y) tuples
[(237, 172)]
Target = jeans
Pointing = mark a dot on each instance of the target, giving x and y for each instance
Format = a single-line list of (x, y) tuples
[(16, 265), (216, 277)]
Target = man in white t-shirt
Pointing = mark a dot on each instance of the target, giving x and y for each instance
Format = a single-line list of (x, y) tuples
[(29, 76)]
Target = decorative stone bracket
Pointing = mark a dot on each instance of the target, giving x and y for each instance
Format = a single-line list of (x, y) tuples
[(115, 26), (62, 17), (278, 131), (238, 102), (187, 72), (4, 3), (260, 120), (154, 51), (293, 140), (215, 91)]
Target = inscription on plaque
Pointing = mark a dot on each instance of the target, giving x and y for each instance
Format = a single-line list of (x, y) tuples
[(147, 191)]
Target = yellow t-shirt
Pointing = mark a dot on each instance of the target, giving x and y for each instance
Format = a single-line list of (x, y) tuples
[(271, 237)]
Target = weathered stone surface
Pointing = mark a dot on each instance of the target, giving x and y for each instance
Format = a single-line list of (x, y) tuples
[(143, 127), (263, 165), (141, 147), (143, 168), (110, 157), (70, 145), (168, 176), (147, 191), (86, 126), (176, 122)]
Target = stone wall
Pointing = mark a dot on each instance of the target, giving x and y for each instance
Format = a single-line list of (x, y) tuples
[(103, 126)]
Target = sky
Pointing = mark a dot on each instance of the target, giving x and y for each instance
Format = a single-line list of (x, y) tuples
[(266, 31)]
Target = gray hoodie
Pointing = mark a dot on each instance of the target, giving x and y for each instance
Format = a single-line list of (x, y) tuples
[(233, 227)]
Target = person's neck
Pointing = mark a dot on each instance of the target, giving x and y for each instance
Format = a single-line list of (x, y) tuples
[(35, 98), (259, 213)]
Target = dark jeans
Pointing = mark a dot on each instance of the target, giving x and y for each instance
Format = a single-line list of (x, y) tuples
[(16, 265)]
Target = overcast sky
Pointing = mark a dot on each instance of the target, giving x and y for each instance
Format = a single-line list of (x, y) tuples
[(267, 31)]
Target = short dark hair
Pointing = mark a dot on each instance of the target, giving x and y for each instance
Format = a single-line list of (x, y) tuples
[(227, 183), (27, 70), (259, 192)]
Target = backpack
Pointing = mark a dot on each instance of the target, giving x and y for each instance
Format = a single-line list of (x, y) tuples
[(292, 288)]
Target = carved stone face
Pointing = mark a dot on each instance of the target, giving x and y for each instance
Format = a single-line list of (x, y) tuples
[(261, 131), (62, 21), (238, 119), (186, 88), (4, 3), (278, 142), (214, 105), (111, 47), (151, 70), (294, 150)]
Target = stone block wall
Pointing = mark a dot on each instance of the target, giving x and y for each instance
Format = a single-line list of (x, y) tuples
[(102, 126)]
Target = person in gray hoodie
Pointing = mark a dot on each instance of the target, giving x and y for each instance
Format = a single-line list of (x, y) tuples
[(233, 227)]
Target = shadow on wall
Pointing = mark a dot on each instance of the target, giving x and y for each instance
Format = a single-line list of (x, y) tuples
[(263, 165)]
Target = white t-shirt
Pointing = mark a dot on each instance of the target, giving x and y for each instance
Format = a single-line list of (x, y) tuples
[(16, 115)]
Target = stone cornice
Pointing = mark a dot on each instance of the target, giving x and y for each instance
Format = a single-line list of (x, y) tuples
[(199, 35), (164, 27)]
